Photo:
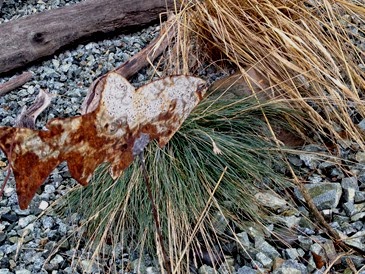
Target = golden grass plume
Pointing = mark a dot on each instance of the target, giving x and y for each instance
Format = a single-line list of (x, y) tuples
[(303, 52)]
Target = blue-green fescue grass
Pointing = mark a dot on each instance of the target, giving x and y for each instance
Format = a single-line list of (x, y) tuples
[(218, 160)]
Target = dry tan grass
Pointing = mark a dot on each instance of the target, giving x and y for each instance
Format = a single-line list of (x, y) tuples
[(302, 52)]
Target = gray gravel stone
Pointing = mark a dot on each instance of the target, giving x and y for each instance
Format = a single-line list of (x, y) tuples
[(244, 240), (349, 194), (295, 160), (310, 160), (316, 248), (291, 221), (293, 253), (349, 208), (206, 269), (358, 216), (305, 242), (23, 222), (291, 267), (2, 237), (360, 157), (357, 240), (271, 201), (43, 205), (22, 271), (227, 267), (349, 182), (268, 250), (246, 270), (358, 261), (315, 179), (48, 222), (325, 195), (57, 259), (359, 196), (265, 260), (256, 233)]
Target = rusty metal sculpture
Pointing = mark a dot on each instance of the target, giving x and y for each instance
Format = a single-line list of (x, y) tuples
[(107, 134)]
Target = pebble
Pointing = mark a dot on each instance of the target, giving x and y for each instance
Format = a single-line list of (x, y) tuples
[(291, 267), (267, 250), (246, 270), (22, 271), (272, 201), (43, 205), (349, 183), (266, 261), (310, 160), (325, 195), (292, 253), (24, 221), (10, 217), (357, 240), (360, 157), (2, 237)]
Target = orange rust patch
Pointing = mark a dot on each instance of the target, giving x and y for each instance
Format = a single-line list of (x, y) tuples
[(105, 135)]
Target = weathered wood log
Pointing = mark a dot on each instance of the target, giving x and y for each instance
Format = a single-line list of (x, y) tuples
[(29, 38), (15, 82)]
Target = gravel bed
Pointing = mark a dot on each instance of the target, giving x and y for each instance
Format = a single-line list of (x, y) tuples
[(29, 238)]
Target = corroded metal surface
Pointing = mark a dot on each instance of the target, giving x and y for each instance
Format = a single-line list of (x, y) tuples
[(107, 134)]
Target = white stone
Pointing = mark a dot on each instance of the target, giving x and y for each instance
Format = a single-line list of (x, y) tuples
[(22, 271), (270, 200), (8, 191), (23, 222), (43, 205), (57, 259)]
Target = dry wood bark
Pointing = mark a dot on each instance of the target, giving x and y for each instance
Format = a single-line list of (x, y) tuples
[(15, 82), (30, 38)]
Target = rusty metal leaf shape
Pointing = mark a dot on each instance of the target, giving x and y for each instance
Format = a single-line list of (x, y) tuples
[(106, 134)]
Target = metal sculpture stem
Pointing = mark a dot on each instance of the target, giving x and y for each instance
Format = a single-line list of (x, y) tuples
[(166, 261), (8, 170)]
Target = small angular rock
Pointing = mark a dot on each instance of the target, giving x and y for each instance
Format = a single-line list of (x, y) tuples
[(291, 267), (23, 222), (349, 182), (266, 261), (325, 195), (22, 271), (206, 269), (246, 270), (357, 240)]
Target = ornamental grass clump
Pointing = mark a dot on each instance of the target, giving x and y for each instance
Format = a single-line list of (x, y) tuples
[(305, 53), (213, 166)]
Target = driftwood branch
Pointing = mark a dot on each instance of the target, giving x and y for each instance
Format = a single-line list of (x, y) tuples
[(15, 82), (29, 38), (28, 116)]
